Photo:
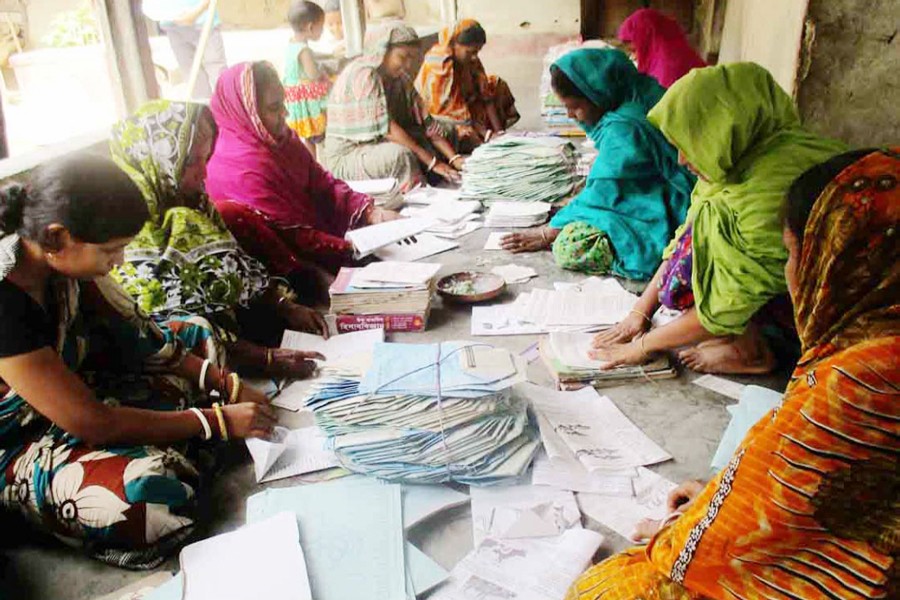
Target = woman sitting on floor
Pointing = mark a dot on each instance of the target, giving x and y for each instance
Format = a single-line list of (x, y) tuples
[(636, 194), (725, 266), (184, 260), (94, 392), (807, 506), (456, 89), (377, 123), (282, 206), (660, 45)]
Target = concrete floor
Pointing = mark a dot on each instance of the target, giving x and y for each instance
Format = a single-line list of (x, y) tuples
[(685, 419)]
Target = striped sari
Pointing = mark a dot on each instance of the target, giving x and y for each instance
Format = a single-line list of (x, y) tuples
[(808, 505)]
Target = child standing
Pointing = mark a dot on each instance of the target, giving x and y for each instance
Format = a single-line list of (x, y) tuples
[(305, 87)]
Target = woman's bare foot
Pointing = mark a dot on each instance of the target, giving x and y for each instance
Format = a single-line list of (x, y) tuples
[(747, 354), (530, 240), (644, 530)]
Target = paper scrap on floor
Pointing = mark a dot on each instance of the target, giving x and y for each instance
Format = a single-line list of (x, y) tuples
[(524, 569), (290, 452), (352, 535), (651, 493), (426, 245), (494, 240), (754, 404), (500, 319), (720, 385), (518, 511), (366, 240), (571, 475), (514, 273), (260, 560), (593, 429)]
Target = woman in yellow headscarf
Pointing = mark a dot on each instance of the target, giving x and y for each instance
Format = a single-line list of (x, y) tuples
[(808, 505), (456, 89)]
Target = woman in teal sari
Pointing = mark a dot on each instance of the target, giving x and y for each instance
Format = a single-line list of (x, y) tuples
[(636, 194), (184, 260)]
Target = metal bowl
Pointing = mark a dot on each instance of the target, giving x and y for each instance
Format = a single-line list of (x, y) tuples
[(470, 286)]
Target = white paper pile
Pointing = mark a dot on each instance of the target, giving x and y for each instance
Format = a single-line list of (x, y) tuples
[(517, 214), (368, 240), (385, 192), (521, 169), (425, 196), (452, 218)]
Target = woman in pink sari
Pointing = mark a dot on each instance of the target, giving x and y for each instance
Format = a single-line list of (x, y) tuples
[(278, 202), (662, 48)]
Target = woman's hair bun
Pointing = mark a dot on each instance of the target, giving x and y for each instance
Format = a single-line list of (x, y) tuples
[(12, 206)]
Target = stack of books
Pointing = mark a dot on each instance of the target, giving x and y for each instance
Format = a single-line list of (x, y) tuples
[(394, 296)]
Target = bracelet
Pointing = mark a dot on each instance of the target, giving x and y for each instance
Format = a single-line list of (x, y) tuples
[(203, 371), (544, 235), (644, 354), (280, 300), (455, 158), (207, 430), (223, 384), (644, 315), (236, 386), (432, 164), (220, 416), (269, 357)]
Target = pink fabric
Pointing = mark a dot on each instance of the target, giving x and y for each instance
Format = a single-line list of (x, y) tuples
[(278, 178), (662, 49)]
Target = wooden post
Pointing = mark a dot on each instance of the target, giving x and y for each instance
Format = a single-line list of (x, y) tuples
[(128, 48), (354, 26), (201, 49)]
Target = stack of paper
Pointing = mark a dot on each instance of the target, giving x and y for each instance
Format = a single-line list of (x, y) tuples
[(522, 169), (425, 196), (452, 218), (369, 240), (517, 214), (385, 192), (430, 413), (393, 295)]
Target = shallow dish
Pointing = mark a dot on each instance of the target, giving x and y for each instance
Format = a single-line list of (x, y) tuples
[(471, 286)]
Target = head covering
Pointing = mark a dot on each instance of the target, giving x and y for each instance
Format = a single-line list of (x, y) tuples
[(662, 49), (358, 107), (278, 178), (184, 260), (742, 133), (849, 276), (636, 192)]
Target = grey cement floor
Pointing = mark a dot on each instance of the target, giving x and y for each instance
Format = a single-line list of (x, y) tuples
[(685, 419)]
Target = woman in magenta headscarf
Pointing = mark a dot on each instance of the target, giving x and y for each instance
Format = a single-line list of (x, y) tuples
[(275, 198), (662, 48)]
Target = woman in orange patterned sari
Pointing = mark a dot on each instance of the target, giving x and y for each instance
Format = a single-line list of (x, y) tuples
[(809, 506), (456, 89)]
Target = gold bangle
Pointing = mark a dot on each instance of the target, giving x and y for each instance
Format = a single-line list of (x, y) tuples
[(644, 354), (268, 357), (644, 315), (220, 417), (235, 388)]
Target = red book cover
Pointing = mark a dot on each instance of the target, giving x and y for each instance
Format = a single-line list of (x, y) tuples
[(401, 323)]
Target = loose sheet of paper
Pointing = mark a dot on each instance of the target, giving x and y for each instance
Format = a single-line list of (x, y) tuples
[(601, 437), (367, 240), (732, 389), (494, 240), (500, 319), (651, 493), (373, 187), (290, 453), (260, 560), (521, 569), (514, 273), (421, 502), (396, 272), (517, 511), (570, 475), (426, 245), (337, 348)]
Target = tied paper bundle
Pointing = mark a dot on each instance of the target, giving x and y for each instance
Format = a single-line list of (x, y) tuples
[(430, 413), (523, 169)]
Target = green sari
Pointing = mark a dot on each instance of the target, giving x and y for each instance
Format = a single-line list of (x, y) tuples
[(743, 135), (184, 260)]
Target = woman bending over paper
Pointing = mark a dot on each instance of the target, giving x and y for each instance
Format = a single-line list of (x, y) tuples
[(807, 506), (725, 266), (95, 395), (378, 125), (636, 194), (277, 200)]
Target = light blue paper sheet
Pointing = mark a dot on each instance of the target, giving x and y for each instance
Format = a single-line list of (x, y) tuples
[(755, 402), (351, 532), (423, 573), (170, 590)]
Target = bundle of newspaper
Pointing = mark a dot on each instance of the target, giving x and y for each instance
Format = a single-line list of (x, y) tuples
[(522, 169), (428, 413)]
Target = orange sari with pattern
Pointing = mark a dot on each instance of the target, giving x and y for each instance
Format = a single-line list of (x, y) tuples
[(809, 506)]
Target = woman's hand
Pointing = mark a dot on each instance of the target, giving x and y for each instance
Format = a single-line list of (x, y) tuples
[(249, 420), (293, 364), (467, 133), (303, 318), (682, 496), (446, 172), (617, 355), (458, 163), (252, 395), (622, 332), (530, 240)]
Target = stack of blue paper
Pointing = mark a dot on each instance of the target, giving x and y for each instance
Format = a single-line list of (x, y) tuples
[(430, 413), (755, 402)]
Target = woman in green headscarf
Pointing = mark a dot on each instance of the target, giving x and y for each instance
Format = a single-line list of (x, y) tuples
[(740, 133), (184, 260), (636, 194)]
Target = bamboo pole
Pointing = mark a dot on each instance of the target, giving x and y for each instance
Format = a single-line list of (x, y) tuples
[(201, 49)]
